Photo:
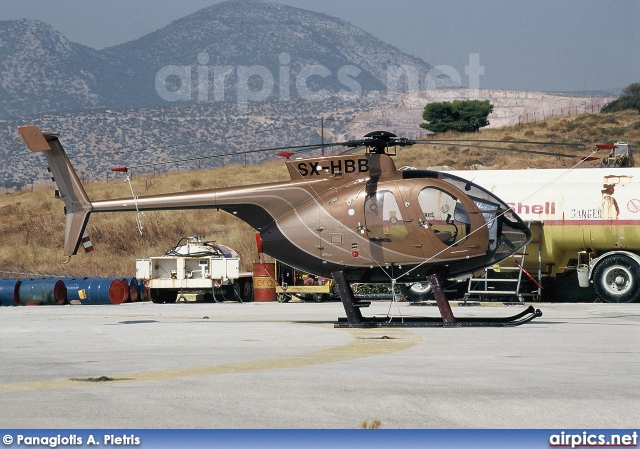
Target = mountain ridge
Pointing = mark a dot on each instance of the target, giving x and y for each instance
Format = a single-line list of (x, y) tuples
[(43, 70), (273, 51)]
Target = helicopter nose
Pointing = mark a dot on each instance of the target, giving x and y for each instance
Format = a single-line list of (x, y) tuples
[(508, 233), (514, 234)]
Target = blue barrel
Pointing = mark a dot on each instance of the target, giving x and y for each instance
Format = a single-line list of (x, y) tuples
[(143, 290), (98, 291), (73, 286), (134, 290), (36, 292), (9, 292)]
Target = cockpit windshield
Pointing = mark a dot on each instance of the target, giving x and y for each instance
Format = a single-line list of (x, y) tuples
[(506, 230)]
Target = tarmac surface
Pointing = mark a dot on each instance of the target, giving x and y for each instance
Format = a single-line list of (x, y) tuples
[(272, 365)]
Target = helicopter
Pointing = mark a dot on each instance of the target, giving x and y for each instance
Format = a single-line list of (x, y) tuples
[(353, 217)]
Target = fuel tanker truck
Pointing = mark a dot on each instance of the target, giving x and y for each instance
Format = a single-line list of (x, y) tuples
[(585, 223)]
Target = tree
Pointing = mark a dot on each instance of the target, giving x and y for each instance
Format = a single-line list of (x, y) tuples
[(629, 99), (460, 116)]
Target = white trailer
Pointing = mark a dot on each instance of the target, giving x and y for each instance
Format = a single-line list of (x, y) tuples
[(195, 270)]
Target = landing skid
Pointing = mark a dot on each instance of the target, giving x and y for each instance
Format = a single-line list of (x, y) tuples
[(355, 319)]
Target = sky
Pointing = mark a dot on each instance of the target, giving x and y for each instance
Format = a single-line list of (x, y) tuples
[(533, 45)]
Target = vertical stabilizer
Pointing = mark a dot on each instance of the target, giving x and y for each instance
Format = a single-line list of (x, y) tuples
[(77, 204)]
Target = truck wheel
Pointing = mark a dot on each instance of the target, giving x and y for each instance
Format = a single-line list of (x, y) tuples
[(418, 291), (616, 278), (235, 291), (247, 291), (161, 296), (155, 296)]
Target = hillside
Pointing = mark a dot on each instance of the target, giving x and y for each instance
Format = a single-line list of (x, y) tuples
[(255, 48), (98, 140), (33, 222)]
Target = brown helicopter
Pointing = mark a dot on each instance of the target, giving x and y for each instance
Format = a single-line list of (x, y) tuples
[(355, 217)]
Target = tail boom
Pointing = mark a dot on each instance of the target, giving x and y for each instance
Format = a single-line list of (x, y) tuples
[(77, 204)]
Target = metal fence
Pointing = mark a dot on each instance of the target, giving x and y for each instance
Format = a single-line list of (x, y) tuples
[(593, 106)]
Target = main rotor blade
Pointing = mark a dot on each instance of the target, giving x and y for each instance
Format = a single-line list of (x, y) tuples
[(300, 148), (351, 150), (528, 142), (520, 150)]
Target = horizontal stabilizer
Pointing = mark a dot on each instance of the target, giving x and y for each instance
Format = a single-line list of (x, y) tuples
[(34, 138)]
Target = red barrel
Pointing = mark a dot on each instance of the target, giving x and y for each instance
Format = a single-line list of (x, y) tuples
[(264, 282), (125, 282), (118, 293)]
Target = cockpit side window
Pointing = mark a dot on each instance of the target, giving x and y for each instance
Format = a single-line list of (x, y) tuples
[(445, 215), (383, 218)]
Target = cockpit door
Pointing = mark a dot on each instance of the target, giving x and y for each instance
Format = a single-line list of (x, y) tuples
[(453, 224)]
